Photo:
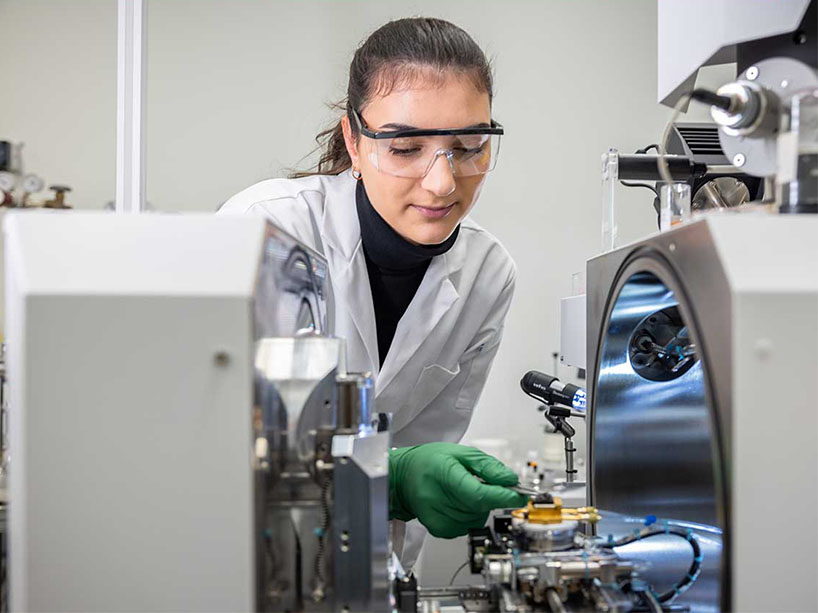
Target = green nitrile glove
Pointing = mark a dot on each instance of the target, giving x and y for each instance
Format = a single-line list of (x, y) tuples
[(438, 484)]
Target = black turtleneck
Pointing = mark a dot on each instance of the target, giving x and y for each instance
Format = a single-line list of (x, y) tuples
[(395, 266)]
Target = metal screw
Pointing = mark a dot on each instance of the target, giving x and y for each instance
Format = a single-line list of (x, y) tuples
[(738, 160), (672, 246), (752, 73), (785, 83), (222, 358)]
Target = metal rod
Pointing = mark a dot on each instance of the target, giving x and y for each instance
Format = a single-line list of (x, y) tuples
[(436, 593), (570, 472), (130, 106), (722, 169)]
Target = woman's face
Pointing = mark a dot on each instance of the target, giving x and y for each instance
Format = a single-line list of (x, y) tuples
[(423, 210)]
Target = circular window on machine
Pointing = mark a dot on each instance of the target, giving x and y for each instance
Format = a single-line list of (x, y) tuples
[(660, 348)]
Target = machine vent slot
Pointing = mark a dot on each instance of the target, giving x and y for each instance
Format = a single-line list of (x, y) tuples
[(701, 141)]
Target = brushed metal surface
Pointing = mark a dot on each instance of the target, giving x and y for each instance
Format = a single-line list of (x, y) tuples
[(658, 448)]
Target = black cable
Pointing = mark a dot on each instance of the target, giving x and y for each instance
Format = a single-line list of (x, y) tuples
[(457, 572), (692, 572), (648, 148), (645, 185)]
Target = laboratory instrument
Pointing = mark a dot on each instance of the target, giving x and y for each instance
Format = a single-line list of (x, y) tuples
[(687, 328), (183, 432)]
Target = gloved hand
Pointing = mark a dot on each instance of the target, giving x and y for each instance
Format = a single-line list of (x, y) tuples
[(437, 484)]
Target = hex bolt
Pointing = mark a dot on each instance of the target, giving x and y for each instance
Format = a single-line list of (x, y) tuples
[(738, 160), (752, 73)]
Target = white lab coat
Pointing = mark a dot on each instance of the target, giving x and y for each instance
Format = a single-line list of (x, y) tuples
[(446, 340)]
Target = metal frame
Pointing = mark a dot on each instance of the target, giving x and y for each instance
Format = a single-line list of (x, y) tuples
[(673, 260), (495, 129), (130, 106)]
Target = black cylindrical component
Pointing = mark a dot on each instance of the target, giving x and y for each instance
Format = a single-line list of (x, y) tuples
[(538, 383), (553, 391), (712, 98), (644, 167), (567, 394)]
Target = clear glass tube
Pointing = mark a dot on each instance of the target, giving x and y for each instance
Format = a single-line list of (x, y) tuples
[(674, 205), (610, 177)]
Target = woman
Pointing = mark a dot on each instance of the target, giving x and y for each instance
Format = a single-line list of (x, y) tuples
[(420, 291)]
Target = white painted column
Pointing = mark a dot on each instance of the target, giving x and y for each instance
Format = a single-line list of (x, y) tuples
[(130, 106)]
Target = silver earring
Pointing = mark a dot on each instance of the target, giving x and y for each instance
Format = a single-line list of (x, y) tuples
[(356, 174)]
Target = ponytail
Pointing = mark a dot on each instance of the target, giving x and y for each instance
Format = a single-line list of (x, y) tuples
[(334, 157)]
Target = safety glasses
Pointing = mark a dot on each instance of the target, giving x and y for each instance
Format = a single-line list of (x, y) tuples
[(411, 153)]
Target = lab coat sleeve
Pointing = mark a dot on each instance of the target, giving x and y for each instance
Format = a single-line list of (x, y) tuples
[(291, 213)]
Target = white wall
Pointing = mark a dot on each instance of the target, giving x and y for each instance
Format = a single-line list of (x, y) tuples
[(237, 90)]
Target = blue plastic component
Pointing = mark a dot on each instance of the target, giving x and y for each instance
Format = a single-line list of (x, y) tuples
[(585, 559), (579, 400), (319, 532), (650, 520)]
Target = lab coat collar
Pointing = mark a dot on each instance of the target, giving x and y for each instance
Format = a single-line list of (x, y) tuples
[(341, 232), (431, 302)]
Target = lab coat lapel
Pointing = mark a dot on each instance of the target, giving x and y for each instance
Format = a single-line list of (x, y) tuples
[(433, 299), (353, 285), (342, 234)]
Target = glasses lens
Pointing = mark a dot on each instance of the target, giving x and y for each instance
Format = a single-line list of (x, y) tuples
[(413, 156)]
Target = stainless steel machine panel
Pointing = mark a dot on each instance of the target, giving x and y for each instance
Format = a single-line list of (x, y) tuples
[(654, 444), (690, 335)]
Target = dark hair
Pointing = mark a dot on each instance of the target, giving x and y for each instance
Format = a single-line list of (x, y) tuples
[(395, 55)]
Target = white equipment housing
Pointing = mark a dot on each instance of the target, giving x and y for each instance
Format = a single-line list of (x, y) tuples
[(696, 33), (572, 331), (160, 306)]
